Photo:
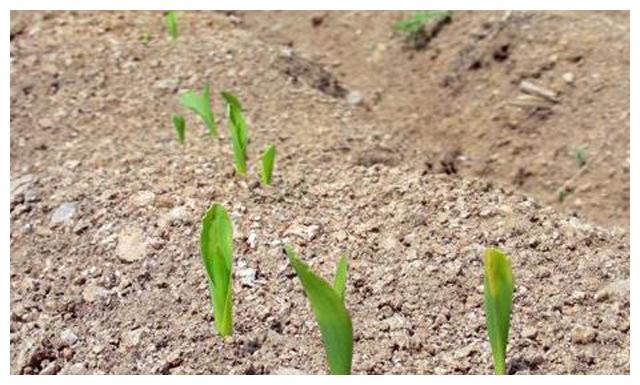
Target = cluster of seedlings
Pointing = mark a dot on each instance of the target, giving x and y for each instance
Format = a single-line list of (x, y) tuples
[(327, 300)]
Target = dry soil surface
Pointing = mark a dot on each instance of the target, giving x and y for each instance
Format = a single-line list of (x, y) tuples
[(411, 182)]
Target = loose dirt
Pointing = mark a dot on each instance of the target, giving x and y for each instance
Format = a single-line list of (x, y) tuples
[(403, 160)]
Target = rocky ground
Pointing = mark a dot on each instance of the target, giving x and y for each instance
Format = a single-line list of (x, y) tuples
[(410, 182)]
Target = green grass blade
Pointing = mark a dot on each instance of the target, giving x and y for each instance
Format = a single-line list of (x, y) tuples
[(201, 106), (331, 315), (179, 125), (268, 159), (216, 247), (340, 281), (238, 132), (172, 24), (498, 293)]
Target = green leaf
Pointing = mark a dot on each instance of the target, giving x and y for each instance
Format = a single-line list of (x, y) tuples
[(498, 292), (201, 106), (238, 131), (179, 125), (331, 315), (340, 281), (216, 247), (268, 158), (172, 24)]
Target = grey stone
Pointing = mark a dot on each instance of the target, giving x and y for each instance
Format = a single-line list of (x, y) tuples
[(68, 337), (19, 186), (583, 335), (247, 276), (354, 98), (132, 246), (64, 213), (618, 290), (142, 198)]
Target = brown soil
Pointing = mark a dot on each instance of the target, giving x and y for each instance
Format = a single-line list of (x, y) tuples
[(435, 164)]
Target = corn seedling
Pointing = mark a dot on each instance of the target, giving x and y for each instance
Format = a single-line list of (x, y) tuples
[(268, 158), (238, 131), (581, 157), (414, 27), (216, 247), (201, 106), (179, 125), (172, 24), (331, 315), (498, 292)]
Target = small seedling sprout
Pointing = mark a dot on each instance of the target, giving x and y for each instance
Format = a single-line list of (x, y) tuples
[(268, 159), (413, 26), (216, 247), (238, 132), (172, 24), (498, 293), (146, 38), (331, 315), (201, 106), (581, 157), (179, 125), (562, 194)]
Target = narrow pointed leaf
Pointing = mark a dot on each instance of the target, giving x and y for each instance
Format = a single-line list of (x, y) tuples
[(179, 125), (172, 24), (268, 159), (340, 281), (331, 315), (238, 132), (498, 292), (216, 247), (201, 106)]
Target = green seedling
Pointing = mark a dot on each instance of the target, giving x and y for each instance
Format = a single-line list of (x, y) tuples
[(331, 315), (238, 131), (179, 125), (581, 157), (201, 106), (413, 27), (146, 38), (562, 194), (268, 158), (216, 247), (172, 24), (498, 293)]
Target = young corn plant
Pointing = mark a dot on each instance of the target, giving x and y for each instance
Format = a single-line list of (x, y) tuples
[(268, 159), (216, 247), (201, 106), (331, 315), (238, 131), (498, 293), (172, 24), (179, 125)]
